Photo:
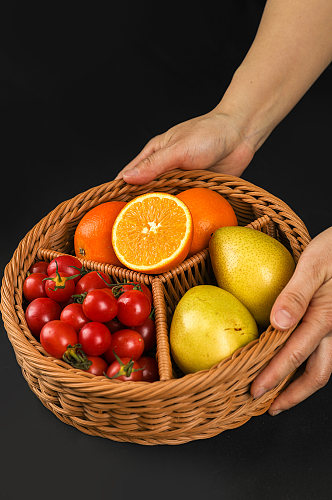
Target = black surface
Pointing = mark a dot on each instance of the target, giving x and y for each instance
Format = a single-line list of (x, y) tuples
[(83, 90)]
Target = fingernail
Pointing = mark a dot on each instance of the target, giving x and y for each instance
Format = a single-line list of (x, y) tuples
[(259, 392), (273, 413), (283, 319)]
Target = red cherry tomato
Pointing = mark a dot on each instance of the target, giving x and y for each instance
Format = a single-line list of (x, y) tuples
[(66, 264), (126, 369), (114, 325), (39, 267), (135, 285), (108, 290), (100, 305), (74, 315), (150, 368), (56, 336), (59, 287), (148, 331), (39, 312), (34, 286), (133, 308), (98, 366), (95, 338), (126, 344), (91, 281)]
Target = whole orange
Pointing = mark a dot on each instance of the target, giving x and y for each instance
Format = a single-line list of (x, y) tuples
[(93, 235), (209, 211)]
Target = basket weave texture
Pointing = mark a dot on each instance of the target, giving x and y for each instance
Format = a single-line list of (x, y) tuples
[(175, 409)]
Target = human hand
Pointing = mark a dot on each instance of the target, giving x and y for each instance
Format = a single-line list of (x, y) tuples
[(307, 294), (214, 141)]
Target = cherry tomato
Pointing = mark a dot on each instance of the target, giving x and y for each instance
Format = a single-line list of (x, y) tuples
[(150, 368), (133, 308), (126, 344), (56, 336), (91, 281), (34, 286), (108, 290), (100, 305), (74, 315), (135, 285), (59, 287), (148, 331), (98, 366), (39, 267), (95, 338), (125, 369), (66, 264), (114, 325), (39, 312)]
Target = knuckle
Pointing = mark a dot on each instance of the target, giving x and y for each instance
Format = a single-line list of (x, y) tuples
[(313, 263), (154, 142), (320, 379), (291, 400), (296, 358), (147, 162), (296, 299), (327, 317), (317, 266)]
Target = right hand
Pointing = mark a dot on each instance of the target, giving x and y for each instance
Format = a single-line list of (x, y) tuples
[(213, 141)]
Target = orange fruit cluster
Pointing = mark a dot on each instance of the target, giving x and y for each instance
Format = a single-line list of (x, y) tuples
[(153, 232)]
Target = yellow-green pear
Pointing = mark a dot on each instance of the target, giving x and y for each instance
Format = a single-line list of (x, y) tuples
[(208, 325), (251, 265)]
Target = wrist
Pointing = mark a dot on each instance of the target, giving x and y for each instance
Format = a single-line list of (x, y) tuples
[(253, 109)]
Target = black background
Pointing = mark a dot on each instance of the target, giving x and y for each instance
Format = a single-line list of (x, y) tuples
[(83, 89)]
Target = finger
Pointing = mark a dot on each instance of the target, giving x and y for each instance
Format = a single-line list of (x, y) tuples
[(303, 341), (316, 375), (153, 165), (148, 149), (292, 302)]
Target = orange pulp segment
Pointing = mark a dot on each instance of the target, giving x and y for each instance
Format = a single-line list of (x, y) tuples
[(152, 233)]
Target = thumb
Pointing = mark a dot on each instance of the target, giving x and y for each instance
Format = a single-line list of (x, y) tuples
[(292, 303), (149, 168)]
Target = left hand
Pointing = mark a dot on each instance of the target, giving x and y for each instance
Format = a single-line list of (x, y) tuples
[(308, 294), (215, 141)]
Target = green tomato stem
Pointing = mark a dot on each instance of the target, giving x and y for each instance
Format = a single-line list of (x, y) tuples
[(76, 357)]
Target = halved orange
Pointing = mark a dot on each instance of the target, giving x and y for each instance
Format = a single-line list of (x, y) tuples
[(152, 233)]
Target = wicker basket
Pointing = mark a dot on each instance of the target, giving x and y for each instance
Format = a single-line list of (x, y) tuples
[(177, 408)]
